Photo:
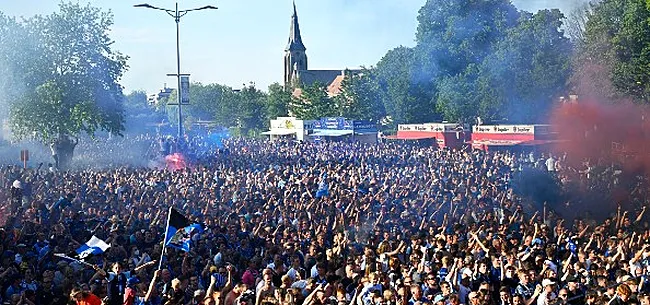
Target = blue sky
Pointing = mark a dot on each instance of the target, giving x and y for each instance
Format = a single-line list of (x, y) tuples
[(244, 40)]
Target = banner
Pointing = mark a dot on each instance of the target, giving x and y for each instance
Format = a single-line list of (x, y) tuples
[(516, 129), (335, 123), (428, 127), (286, 123), (364, 126), (185, 89)]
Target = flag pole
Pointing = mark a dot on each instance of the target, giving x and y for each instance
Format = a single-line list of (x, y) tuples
[(164, 246), (61, 255)]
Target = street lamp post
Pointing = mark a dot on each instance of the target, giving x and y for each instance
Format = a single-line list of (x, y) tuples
[(176, 14)]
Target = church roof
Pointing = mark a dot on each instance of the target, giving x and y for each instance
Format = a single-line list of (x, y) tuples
[(295, 40), (325, 77), (331, 79), (335, 87)]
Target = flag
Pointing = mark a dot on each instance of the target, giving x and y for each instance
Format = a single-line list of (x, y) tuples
[(93, 246), (180, 231)]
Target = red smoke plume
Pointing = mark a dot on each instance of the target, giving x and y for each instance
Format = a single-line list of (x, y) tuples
[(175, 162), (606, 135)]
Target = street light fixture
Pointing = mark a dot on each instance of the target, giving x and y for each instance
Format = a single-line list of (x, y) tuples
[(176, 14)]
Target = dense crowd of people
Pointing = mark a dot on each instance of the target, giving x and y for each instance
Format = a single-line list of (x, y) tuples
[(332, 223)]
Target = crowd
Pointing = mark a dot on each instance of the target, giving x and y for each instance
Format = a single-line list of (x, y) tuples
[(290, 223)]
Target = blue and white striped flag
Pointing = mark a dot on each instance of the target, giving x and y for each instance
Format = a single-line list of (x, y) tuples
[(94, 246)]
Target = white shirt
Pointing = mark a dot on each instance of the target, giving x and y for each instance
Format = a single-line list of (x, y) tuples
[(550, 164), (541, 299)]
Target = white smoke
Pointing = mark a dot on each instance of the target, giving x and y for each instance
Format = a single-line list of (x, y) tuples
[(566, 6)]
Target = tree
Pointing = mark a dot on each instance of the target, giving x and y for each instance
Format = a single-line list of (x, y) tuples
[(136, 100), (71, 77), (452, 34), (212, 102), (612, 63), (405, 93), (314, 103), (457, 98), (527, 70), (577, 21), (138, 113), (360, 97), (278, 101), (631, 73), (453, 39), (250, 113), (15, 43)]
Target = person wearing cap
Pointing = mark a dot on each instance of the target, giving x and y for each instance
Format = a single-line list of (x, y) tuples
[(573, 290), (16, 195), (548, 295), (131, 290), (84, 297), (439, 300)]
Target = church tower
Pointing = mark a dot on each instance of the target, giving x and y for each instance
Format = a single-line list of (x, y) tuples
[(295, 58)]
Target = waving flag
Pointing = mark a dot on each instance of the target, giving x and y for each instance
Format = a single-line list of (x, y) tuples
[(94, 246), (180, 231)]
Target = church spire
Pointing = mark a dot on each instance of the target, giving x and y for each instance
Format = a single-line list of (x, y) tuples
[(295, 41)]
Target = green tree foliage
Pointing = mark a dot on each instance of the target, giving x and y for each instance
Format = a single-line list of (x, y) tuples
[(211, 102), (278, 101), (244, 109), (404, 91), (69, 74), (360, 97), (139, 114), (527, 70), (631, 73), (453, 38), (457, 99), (250, 109), (577, 20), (454, 34), (613, 62), (313, 103), (476, 58)]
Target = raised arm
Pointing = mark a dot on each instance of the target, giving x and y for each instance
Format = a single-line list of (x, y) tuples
[(145, 265), (638, 218), (152, 285)]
